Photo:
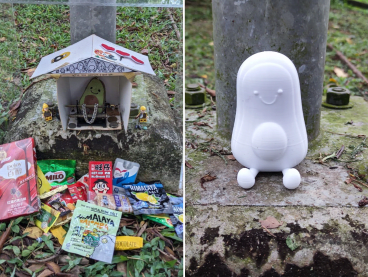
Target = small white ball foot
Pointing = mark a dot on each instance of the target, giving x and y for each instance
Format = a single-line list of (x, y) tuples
[(291, 178), (246, 178)]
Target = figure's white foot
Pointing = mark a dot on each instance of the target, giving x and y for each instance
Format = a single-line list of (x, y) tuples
[(291, 178), (246, 177)]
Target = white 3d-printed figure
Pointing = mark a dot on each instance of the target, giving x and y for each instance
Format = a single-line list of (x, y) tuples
[(269, 131)]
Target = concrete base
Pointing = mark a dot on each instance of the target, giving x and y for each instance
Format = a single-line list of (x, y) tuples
[(223, 229)]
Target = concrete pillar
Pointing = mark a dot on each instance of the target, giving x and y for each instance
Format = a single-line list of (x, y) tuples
[(295, 28), (86, 20)]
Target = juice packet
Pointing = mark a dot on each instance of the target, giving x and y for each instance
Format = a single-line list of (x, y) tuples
[(18, 180), (58, 172), (148, 199), (125, 172), (46, 218), (177, 218), (92, 232)]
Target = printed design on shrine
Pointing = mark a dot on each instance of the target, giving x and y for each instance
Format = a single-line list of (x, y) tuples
[(91, 65)]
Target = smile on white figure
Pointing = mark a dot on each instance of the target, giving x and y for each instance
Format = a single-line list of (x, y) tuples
[(269, 131)]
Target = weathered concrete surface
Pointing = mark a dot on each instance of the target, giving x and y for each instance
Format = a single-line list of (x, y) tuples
[(158, 149), (322, 210), (295, 28)]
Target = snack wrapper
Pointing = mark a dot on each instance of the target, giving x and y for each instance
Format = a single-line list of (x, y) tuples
[(92, 232), (78, 191), (43, 185), (148, 199), (58, 172), (163, 219), (128, 243), (125, 172), (100, 177), (18, 181), (177, 218), (46, 218), (122, 204), (114, 202)]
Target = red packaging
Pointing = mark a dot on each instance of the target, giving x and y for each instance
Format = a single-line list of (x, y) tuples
[(78, 191), (18, 182), (100, 177)]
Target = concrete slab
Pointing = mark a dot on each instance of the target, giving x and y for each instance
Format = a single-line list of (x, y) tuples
[(322, 185), (321, 217)]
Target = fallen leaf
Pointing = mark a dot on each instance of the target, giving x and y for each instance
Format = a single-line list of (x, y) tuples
[(291, 242), (201, 124), (144, 52), (134, 85), (340, 72), (43, 39), (188, 164), (211, 92), (45, 273), (5, 235), (2, 39), (170, 92), (122, 267), (15, 105), (332, 80), (270, 223), (231, 157), (204, 76), (29, 71), (207, 178), (53, 267), (349, 40), (211, 43), (34, 232)]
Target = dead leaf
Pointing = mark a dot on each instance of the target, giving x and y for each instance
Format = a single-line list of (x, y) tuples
[(349, 40), (270, 223), (201, 124), (29, 71), (45, 273), (35, 267), (34, 232), (144, 52), (43, 39), (231, 157), (170, 92), (2, 39), (143, 228), (169, 251), (53, 267), (188, 164), (332, 80), (134, 85), (122, 267), (340, 72), (207, 178), (5, 235), (211, 92), (210, 43)]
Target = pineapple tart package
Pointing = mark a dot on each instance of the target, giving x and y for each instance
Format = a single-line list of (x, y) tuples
[(18, 181), (58, 172), (92, 232), (148, 198)]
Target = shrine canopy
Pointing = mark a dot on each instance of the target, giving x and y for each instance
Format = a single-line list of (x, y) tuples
[(93, 55)]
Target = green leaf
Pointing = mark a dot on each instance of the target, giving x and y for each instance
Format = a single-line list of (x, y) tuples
[(291, 242), (116, 274), (16, 250), (2, 261), (15, 228), (2, 226), (127, 231), (26, 252), (170, 264), (18, 220), (171, 235), (50, 245), (119, 259), (139, 265)]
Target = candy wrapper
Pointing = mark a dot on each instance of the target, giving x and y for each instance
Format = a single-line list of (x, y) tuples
[(58, 172), (128, 243), (46, 218), (18, 182), (78, 191), (148, 199), (100, 177), (163, 219), (92, 232), (114, 202), (125, 172), (177, 218)]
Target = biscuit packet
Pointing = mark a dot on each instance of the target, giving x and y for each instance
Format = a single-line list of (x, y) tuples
[(148, 198), (92, 232), (114, 202)]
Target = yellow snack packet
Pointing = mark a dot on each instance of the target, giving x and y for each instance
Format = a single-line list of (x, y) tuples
[(42, 184), (59, 233), (46, 218), (128, 243)]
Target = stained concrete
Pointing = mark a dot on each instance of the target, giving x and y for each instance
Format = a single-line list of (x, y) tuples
[(223, 218)]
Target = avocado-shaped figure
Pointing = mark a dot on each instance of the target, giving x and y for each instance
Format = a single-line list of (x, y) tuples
[(269, 131), (94, 94)]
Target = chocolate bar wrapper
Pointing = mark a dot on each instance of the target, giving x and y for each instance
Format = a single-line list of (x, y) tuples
[(18, 180)]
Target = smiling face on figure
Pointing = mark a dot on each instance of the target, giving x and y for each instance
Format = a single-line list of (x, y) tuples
[(268, 86)]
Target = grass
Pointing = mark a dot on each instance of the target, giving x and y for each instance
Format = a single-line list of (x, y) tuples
[(347, 33), (34, 31)]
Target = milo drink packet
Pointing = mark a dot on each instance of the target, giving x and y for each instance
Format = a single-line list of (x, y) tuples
[(148, 199), (58, 172), (92, 232)]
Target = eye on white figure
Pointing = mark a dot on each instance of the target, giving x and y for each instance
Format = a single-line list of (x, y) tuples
[(280, 91)]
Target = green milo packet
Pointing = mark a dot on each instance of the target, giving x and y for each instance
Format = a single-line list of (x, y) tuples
[(58, 172), (92, 232)]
